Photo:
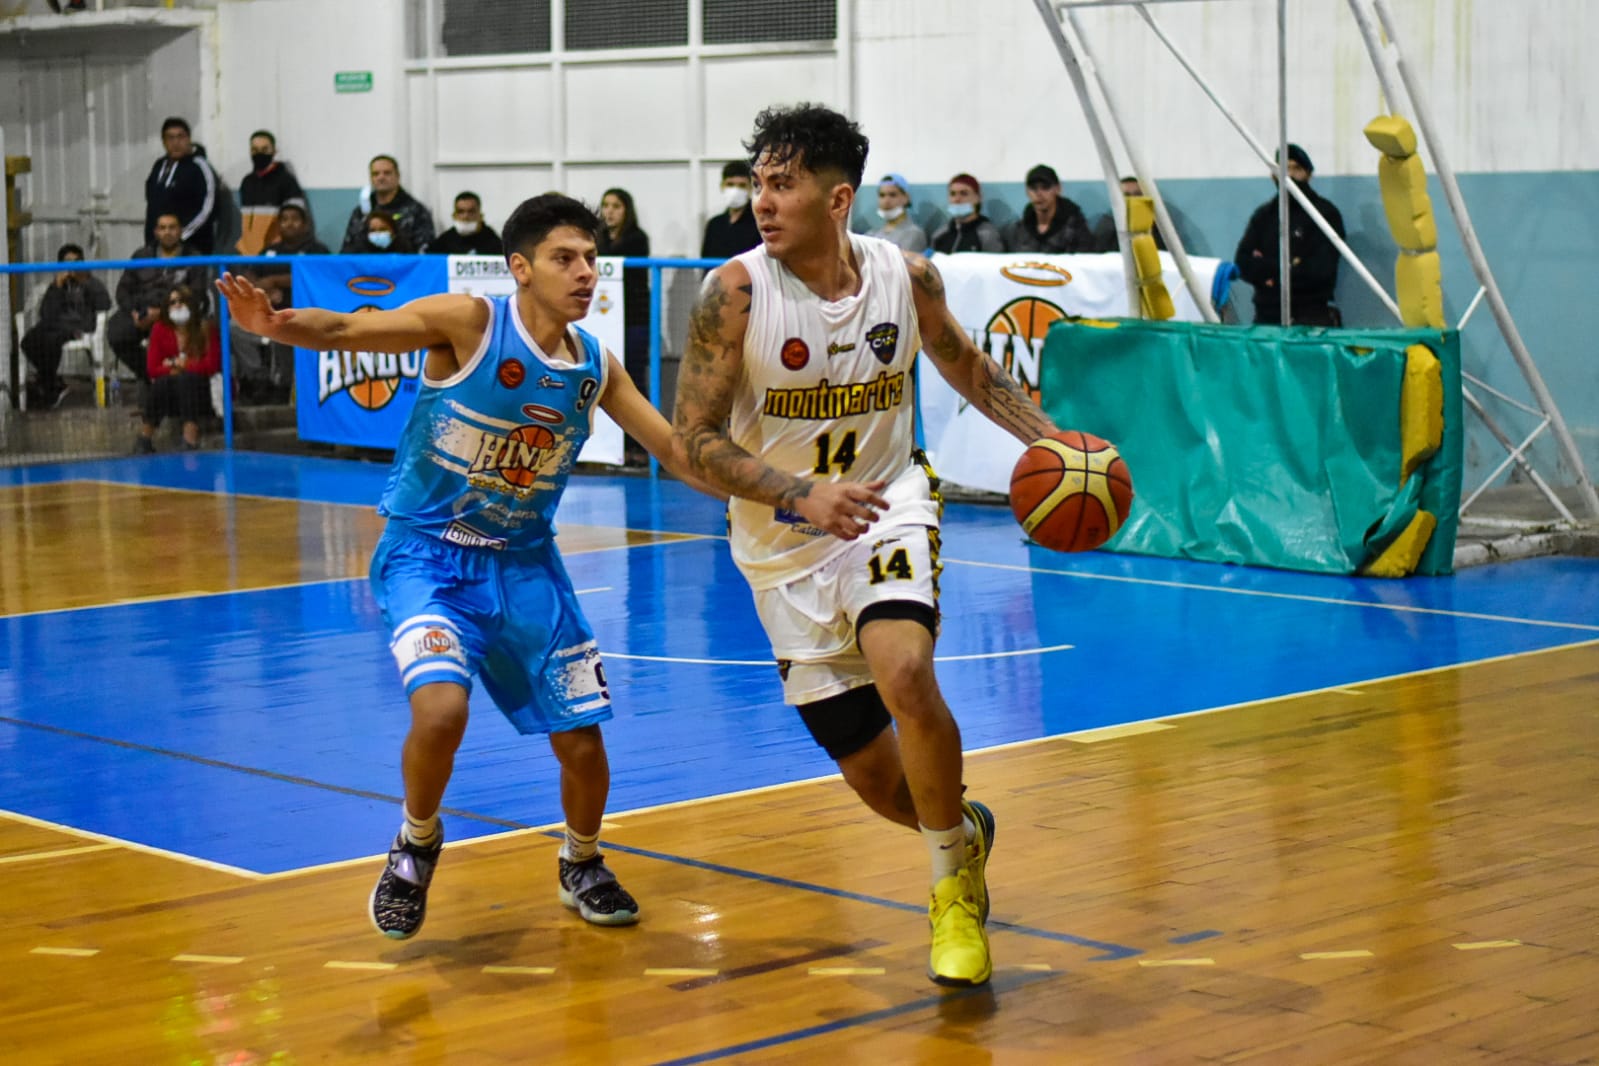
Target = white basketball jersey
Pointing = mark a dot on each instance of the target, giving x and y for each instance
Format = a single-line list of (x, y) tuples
[(829, 393)]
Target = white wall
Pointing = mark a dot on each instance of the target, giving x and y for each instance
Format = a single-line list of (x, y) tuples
[(951, 85), (276, 64)]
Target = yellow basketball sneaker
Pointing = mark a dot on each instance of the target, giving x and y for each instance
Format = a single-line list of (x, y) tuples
[(977, 852), (960, 943)]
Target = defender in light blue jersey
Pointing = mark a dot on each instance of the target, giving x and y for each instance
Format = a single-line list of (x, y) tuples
[(467, 572)]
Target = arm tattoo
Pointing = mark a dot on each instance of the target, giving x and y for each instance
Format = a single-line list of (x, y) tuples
[(707, 380)]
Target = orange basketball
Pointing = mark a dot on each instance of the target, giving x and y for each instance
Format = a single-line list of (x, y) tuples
[(523, 446), (1071, 491)]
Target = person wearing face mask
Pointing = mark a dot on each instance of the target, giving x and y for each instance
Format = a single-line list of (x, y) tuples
[(468, 234), (383, 235), (385, 193), (894, 208), (1313, 261), (269, 185), (184, 352), (733, 231), (967, 229)]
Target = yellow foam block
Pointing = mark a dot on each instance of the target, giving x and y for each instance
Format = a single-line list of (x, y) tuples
[(1405, 201), (1418, 280), (1151, 282), (1404, 553), (1392, 136), (1140, 214), (1421, 409)]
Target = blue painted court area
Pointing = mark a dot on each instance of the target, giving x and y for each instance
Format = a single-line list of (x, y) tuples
[(262, 729)]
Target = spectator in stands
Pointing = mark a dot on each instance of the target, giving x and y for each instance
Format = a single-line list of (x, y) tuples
[(620, 235), (269, 185), (141, 291), (967, 229), (385, 193), (264, 369), (1051, 224), (733, 231), (184, 353), (894, 208), (1105, 237), (1313, 262), (66, 313), (469, 235), (181, 183), (383, 235)]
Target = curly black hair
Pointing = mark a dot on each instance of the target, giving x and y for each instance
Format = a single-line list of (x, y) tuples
[(533, 220), (817, 137)]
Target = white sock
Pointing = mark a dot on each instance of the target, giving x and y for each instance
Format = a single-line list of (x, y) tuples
[(420, 831), (579, 847), (947, 850)]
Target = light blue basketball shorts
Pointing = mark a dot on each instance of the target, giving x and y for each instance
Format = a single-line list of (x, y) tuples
[(510, 618)]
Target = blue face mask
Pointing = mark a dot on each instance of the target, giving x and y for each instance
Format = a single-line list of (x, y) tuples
[(961, 210), (380, 238)]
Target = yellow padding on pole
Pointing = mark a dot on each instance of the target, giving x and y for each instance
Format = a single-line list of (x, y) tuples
[(1392, 136), (1418, 279), (1140, 214), (1404, 553), (1405, 199), (1151, 282), (1421, 409)]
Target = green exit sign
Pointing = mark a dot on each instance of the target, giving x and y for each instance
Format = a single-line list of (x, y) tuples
[(352, 81)]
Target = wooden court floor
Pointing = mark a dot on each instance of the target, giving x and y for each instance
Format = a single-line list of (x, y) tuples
[(1409, 874), (1392, 871)]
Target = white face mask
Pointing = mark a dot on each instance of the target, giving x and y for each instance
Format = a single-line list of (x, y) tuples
[(466, 229), (380, 238), (735, 197), (178, 315), (961, 210), (891, 213)]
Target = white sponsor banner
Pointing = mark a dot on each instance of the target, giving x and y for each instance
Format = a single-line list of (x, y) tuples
[(488, 275), (1006, 303)]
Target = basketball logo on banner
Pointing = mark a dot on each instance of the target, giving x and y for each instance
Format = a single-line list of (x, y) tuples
[(370, 379), (1014, 336)]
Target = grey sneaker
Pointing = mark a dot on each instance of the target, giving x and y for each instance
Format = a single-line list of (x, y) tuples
[(591, 889), (400, 899)]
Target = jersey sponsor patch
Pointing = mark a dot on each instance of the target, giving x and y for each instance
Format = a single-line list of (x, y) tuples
[(884, 339), (790, 518), (795, 354), (426, 642), (467, 537)]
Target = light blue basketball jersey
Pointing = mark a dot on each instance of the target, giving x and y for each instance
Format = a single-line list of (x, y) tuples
[(485, 455)]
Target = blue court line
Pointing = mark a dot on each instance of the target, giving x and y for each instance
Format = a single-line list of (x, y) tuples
[(1111, 952), (1008, 984), (1190, 938)]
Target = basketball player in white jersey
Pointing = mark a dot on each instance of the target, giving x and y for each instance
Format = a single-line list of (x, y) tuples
[(796, 395)]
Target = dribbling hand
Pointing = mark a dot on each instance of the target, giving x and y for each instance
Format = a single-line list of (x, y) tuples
[(846, 509), (250, 306)]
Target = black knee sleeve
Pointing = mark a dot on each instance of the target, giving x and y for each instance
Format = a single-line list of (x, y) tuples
[(846, 723)]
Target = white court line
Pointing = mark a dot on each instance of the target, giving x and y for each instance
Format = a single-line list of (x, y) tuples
[(219, 867), (1406, 608), (772, 662), (30, 856)]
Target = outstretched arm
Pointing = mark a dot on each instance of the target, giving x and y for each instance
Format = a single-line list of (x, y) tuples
[(981, 381), (711, 372), (447, 321), (638, 418)]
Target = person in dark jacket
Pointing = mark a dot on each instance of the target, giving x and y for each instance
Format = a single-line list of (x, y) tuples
[(385, 193), (1050, 224), (967, 230), (269, 185), (732, 232), (1313, 260), (621, 236), (468, 233), (66, 313), (182, 183), (142, 291)]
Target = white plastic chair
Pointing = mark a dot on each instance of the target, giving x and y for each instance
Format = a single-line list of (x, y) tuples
[(80, 357)]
